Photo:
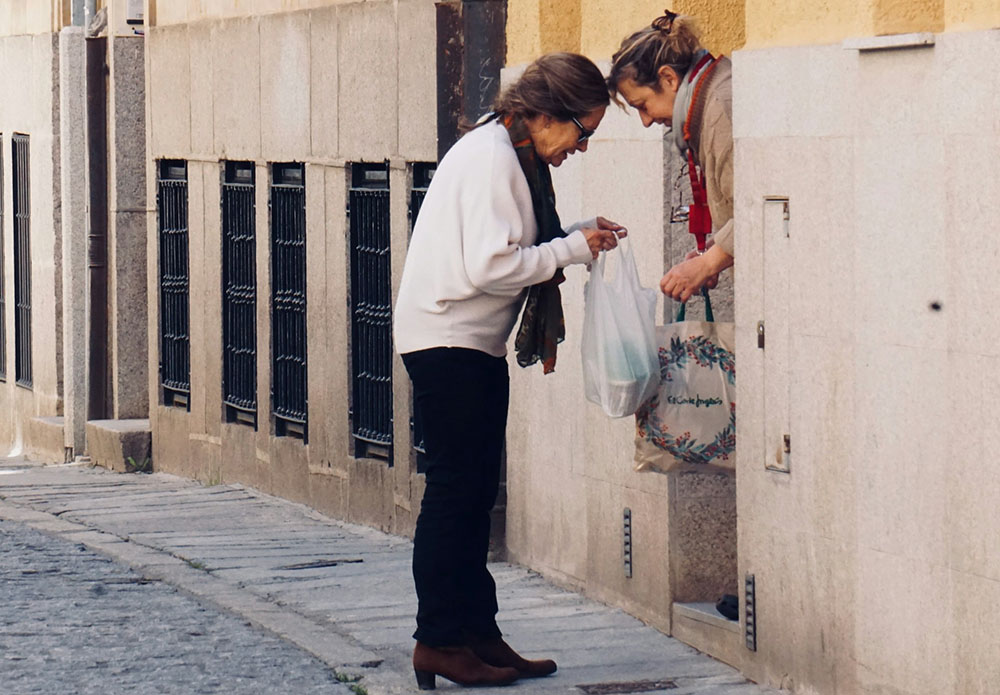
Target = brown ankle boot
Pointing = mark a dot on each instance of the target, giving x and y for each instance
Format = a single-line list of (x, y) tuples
[(498, 653), (458, 664)]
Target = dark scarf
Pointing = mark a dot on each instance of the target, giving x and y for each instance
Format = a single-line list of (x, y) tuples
[(542, 325)]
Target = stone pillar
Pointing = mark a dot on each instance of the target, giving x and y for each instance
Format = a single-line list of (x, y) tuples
[(702, 505), (72, 99), (127, 226)]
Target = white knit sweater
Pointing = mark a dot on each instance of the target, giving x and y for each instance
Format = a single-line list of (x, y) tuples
[(471, 256)]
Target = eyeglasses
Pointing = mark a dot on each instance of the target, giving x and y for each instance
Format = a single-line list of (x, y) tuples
[(585, 133)]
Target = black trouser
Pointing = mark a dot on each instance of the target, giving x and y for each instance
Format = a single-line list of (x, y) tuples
[(462, 396)]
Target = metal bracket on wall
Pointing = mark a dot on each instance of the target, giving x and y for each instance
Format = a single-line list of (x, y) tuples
[(750, 610), (782, 462), (891, 42), (627, 538), (785, 208)]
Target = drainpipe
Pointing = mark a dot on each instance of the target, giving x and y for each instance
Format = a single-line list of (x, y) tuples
[(97, 223), (77, 13), (89, 10), (72, 135)]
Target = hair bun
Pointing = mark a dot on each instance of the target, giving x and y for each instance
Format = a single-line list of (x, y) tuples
[(666, 22)]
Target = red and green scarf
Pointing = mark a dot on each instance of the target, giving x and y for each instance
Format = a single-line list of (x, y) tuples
[(542, 325)]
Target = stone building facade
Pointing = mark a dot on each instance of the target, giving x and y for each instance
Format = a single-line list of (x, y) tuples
[(254, 173), (874, 554), (864, 516), (294, 138), (33, 387), (74, 309)]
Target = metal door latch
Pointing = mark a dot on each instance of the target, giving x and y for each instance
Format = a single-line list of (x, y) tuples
[(760, 335)]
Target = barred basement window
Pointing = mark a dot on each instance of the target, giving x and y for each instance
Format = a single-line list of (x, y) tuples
[(22, 260), (175, 342), (371, 312), (3, 300), (423, 172), (239, 293), (288, 300)]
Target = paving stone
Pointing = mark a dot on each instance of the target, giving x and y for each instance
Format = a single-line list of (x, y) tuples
[(75, 621), (233, 549)]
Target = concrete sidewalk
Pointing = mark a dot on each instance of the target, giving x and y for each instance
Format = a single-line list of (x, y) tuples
[(338, 591)]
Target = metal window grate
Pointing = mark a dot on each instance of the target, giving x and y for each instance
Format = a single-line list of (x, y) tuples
[(239, 293), (288, 300), (371, 312), (423, 172), (3, 299), (22, 259), (175, 342)]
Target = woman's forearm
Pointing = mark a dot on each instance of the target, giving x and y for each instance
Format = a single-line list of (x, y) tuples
[(716, 260)]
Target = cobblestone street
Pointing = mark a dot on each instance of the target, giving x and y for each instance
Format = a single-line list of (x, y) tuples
[(74, 621)]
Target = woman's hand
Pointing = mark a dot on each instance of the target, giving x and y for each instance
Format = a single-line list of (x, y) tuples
[(689, 276), (603, 223), (713, 280), (605, 237)]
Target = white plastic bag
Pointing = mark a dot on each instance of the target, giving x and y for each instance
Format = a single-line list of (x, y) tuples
[(620, 364)]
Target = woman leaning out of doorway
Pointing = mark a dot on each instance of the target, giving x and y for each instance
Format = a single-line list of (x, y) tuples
[(663, 72)]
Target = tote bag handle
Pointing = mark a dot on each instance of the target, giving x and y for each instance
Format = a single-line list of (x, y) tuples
[(709, 315)]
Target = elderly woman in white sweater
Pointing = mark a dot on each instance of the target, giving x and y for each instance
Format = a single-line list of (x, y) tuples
[(487, 242)]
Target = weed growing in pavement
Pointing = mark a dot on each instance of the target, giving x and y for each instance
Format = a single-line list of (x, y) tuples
[(131, 466), (352, 682), (197, 565)]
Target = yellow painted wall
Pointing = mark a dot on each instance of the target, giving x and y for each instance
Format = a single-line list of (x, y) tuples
[(903, 16), (971, 14), (559, 24), (607, 22), (795, 22), (596, 27), (722, 22), (524, 35), (801, 22)]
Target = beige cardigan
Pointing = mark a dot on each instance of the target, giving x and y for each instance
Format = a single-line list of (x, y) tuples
[(712, 142)]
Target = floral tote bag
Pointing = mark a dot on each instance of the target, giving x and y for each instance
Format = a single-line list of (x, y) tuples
[(690, 422)]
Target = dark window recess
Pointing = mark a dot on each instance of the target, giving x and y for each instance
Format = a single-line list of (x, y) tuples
[(371, 312), (22, 260), (175, 342), (288, 300), (239, 293), (423, 172), (3, 300)]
